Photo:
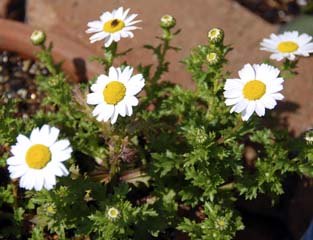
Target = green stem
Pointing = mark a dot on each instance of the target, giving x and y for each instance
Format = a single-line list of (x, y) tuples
[(109, 55), (167, 36)]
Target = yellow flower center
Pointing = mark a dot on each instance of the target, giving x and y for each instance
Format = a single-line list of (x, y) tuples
[(38, 156), (254, 90), (287, 47), (114, 92), (113, 25)]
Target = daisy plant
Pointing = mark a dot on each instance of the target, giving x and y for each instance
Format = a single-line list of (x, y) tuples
[(130, 156)]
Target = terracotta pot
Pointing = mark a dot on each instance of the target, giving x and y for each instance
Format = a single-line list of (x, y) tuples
[(15, 36)]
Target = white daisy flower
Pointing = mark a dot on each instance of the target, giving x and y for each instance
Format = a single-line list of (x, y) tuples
[(257, 88), (115, 94), (39, 158), (112, 26), (287, 45)]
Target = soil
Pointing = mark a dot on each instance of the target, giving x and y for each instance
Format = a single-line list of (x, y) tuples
[(17, 77)]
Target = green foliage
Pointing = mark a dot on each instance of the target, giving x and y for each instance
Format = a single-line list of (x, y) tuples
[(178, 164)]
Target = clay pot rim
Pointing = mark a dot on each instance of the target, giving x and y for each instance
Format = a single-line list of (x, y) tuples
[(15, 37)]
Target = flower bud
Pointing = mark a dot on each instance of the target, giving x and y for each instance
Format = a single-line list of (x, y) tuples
[(113, 213), (167, 22), (216, 35), (221, 223), (38, 37), (212, 58), (308, 136)]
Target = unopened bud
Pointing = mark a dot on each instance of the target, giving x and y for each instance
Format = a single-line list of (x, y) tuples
[(168, 22), (221, 223), (212, 58), (308, 136), (216, 35), (38, 37), (113, 213)]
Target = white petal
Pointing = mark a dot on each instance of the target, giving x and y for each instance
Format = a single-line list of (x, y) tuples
[(35, 136), (277, 56), (234, 93), (60, 145), (44, 131), (116, 36), (232, 101), (249, 111), (108, 40), (18, 170), (63, 169), (53, 136), (121, 108), (94, 98), (23, 140), (49, 180), (125, 13), (39, 179), (15, 161), (126, 74), (135, 85), (268, 102), (259, 108), (247, 73), (113, 73), (28, 180), (106, 16), (240, 106), (98, 36), (291, 57), (93, 30), (95, 24), (62, 156), (126, 34), (130, 18), (265, 71), (233, 84), (277, 96), (114, 116), (129, 110), (133, 101), (274, 88)]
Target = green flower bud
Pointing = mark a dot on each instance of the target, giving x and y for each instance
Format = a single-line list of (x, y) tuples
[(38, 37), (212, 58), (167, 22), (216, 35)]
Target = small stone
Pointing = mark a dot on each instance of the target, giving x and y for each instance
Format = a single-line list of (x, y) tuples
[(33, 69), (22, 93), (26, 65)]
